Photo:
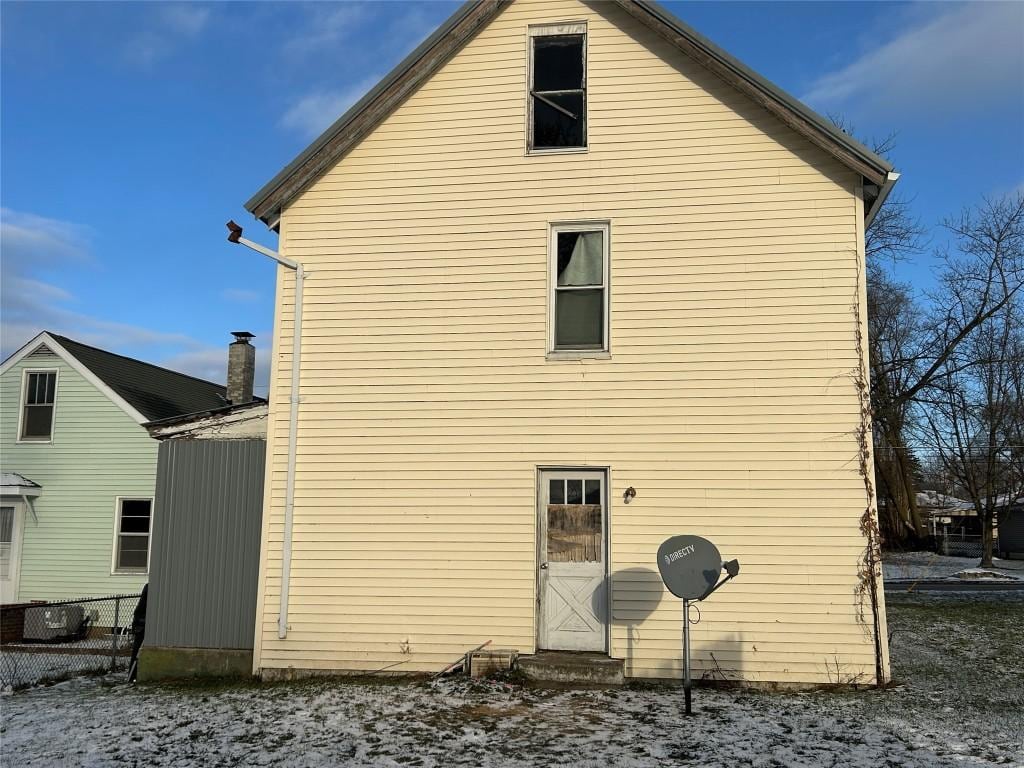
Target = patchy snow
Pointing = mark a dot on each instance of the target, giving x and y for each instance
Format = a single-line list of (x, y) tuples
[(18, 670), (939, 715), (983, 574), (928, 565)]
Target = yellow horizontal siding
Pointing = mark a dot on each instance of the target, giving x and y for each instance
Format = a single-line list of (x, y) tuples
[(728, 401)]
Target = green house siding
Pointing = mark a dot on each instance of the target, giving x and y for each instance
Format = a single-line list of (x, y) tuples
[(98, 453)]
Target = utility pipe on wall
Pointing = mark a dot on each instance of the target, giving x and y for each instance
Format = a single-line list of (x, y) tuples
[(293, 417)]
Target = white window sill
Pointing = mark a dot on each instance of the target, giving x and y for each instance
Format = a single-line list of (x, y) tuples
[(34, 442), (581, 354), (558, 151), (129, 573)]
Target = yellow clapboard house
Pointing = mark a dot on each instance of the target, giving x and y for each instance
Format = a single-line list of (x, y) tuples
[(566, 256)]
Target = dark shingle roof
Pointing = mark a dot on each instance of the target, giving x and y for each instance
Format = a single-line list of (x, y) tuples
[(155, 392)]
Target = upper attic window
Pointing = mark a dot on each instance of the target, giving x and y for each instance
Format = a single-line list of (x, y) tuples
[(39, 392), (558, 87)]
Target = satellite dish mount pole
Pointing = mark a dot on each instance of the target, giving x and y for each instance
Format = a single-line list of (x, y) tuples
[(686, 656)]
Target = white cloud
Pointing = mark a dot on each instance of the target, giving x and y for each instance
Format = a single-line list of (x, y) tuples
[(32, 304), (966, 56), (328, 25), (313, 113), (169, 27), (27, 238)]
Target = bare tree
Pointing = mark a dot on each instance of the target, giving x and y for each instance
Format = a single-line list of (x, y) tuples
[(970, 388), (974, 419), (913, 348)]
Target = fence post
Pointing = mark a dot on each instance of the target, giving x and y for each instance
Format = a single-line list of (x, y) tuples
[(113, 634)]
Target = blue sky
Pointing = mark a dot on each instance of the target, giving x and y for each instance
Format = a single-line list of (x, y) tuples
[(132, 131)]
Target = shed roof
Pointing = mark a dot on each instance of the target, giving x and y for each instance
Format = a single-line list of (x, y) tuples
[(473, 16), (8, 479)]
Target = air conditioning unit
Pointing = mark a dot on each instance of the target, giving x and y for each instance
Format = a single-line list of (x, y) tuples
[(55, 624)]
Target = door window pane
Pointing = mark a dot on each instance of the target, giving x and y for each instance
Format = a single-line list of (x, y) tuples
[(592, 491), (556, 491), (574, 533), (574, 492)]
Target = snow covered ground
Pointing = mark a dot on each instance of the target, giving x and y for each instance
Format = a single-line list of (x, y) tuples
[(18, 669), (928, 565), (960, 703)]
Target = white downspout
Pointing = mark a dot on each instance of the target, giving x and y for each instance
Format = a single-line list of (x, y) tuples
[(293, 417)]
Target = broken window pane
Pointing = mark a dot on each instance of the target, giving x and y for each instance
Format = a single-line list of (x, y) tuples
[(558, 92), (558, 63), (580, 258)]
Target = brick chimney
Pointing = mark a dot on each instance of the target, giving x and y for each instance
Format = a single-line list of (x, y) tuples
[(241, 368)]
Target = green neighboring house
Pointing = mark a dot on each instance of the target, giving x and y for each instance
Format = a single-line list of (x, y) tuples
[(79, 468)]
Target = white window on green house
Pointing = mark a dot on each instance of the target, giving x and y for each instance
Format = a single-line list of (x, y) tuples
[(38, 399), (131, 543), (579, 281)]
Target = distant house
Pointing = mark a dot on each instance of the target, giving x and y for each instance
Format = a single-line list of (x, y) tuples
[(1010, 517), (80, 467), (573, 280)]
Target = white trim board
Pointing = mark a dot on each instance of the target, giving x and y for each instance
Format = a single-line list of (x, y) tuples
[(46, 339)]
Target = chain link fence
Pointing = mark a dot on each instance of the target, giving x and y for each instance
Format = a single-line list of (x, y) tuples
[(47, 642)]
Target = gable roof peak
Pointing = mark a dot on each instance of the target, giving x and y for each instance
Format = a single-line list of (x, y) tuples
[(355, 124), (142, 390)]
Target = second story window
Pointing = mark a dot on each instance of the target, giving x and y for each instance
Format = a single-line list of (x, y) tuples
[(558, 87), (40, 394), (579, 288)]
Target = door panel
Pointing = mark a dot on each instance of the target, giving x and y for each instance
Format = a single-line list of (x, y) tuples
[(572, 524), (10, 552)]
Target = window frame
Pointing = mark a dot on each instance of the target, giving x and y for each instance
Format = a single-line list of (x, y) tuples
[(549, 30), (114, 570), (554, 228), (23, 404)]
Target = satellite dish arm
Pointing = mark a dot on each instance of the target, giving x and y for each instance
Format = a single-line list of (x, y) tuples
[(731, 568)]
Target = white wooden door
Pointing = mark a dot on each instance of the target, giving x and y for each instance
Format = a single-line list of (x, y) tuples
[(10, 552), (573, 554)]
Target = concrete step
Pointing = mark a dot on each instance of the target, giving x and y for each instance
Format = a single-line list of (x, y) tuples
[(572, 668)]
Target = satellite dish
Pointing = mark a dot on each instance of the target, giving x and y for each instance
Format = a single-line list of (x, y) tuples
[(689, 566)]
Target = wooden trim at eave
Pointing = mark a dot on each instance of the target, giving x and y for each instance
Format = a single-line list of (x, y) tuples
[(385, 103), (792, 119)]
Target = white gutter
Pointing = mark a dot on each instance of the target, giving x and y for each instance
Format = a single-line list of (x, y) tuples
[(293, 417), (883, 193)]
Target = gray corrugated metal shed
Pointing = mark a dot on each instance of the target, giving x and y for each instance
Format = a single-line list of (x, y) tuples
[(206, 544), (430, 55)]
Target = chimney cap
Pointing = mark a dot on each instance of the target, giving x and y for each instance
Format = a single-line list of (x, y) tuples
[(243, 336)]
